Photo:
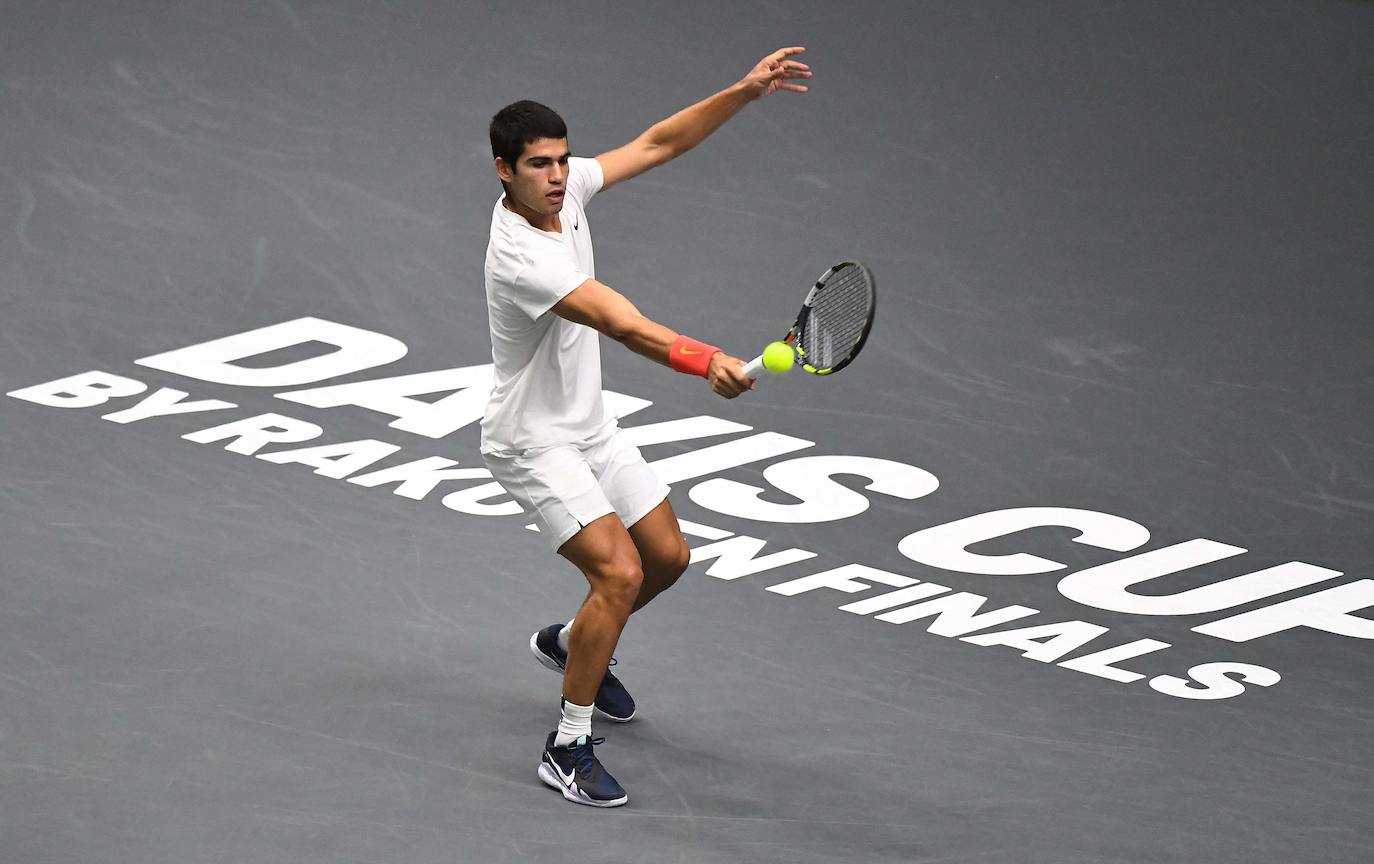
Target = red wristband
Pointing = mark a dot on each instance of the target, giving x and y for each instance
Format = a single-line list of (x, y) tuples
[(690, 356)]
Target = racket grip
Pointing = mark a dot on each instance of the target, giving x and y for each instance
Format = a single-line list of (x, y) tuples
[(754, 367)]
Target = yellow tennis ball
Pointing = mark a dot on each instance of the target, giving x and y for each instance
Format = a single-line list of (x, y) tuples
[(778, 357)]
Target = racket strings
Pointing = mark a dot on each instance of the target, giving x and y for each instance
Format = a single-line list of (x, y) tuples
[(837, 318)]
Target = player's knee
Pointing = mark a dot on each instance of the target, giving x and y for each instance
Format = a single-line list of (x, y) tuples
[(671, 563), (620, 583), (679, 559)]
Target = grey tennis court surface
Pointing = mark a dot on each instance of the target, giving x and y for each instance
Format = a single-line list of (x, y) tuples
[(1123, 254)]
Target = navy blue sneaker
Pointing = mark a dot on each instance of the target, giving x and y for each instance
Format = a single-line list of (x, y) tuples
[(612, 699), (575, 771)]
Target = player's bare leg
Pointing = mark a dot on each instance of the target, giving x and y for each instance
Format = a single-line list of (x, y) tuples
[(624, 570), (663, 552), (605, 553)]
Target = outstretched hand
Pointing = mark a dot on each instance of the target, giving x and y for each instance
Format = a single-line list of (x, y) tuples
[(776, 72)]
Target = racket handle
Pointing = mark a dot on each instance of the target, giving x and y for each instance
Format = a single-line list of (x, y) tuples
[(754, 367)]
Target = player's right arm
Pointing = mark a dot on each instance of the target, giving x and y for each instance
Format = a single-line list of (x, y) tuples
[(607, 311)]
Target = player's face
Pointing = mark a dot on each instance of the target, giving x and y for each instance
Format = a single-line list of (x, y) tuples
[(540, 176)]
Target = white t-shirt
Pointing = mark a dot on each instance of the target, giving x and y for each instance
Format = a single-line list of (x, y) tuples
[(547, 387)]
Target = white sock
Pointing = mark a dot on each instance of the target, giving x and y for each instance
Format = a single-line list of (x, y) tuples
[(576, 722), (563, 636)]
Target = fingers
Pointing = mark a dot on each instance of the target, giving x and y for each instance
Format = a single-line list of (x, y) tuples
[(781, 78), (774, 73), (790, 68), (739, 382), (730, 387), (727, 376), (782, 72), (727, 388)]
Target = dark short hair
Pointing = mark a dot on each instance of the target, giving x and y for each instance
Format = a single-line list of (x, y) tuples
[(521, 123)]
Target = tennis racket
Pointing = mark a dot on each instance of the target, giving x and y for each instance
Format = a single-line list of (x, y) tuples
[(833, 323)]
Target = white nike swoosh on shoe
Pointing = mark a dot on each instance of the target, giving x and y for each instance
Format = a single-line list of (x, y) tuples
[(566, 778)]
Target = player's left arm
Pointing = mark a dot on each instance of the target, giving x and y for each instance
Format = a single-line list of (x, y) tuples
[(679, 133)]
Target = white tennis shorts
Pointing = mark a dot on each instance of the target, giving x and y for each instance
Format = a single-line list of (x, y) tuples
[(570, 485)]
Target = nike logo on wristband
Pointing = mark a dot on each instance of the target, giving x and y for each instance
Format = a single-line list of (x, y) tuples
[(687, 351)]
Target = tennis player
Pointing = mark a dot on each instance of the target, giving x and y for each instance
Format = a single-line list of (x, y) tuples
[(546, 437)]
